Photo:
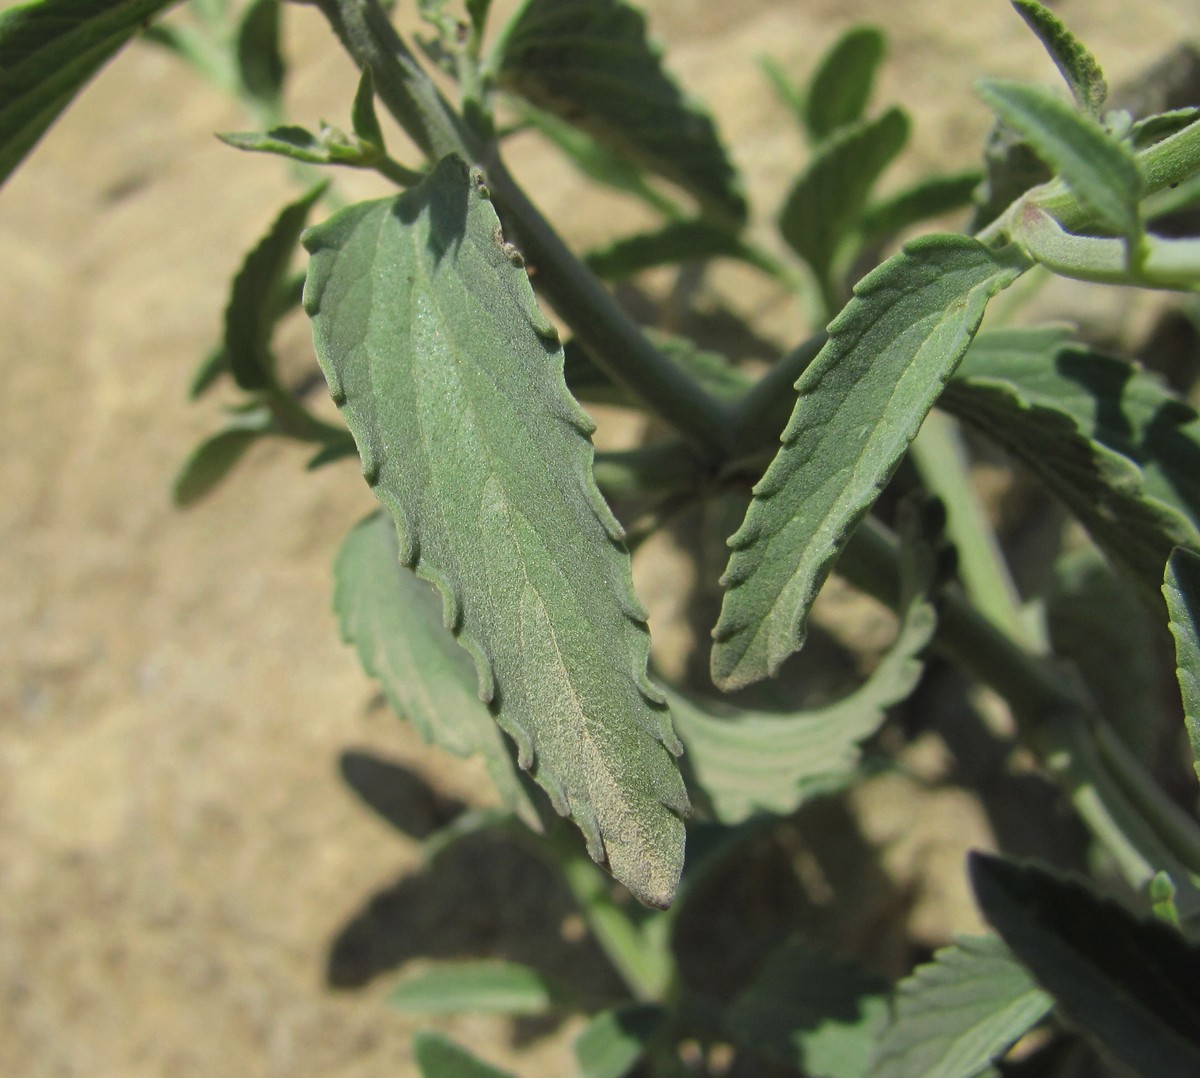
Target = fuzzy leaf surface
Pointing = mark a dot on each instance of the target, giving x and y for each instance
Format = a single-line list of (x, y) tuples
[(394, 619), (451, 381), (1133, 984), (841, 86), (1182, 591), (862, 400), (476, 988), (48, 50), (1070, 55), (592, 63), (955, 1015), (1119, 449), (614, 1040), (439, 1057)]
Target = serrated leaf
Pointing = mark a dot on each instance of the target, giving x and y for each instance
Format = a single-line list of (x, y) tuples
[(1099, 169), (959, 1013), (362, 113), (1077, 64), (1181, 589), (48, 50), (814, 1012), (481, 987), (861, 402), (451, 382), (928, 198), (440, 1057), (251, 312), (591, 63), (215, 457), (746, 761), (1110, 441), (261, 66), (614, 1040), (1132, 984), (826, 204), (394, 620), (677, 241), (841, 86)]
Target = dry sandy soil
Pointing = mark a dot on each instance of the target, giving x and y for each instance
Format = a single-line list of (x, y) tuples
[(188, 884)]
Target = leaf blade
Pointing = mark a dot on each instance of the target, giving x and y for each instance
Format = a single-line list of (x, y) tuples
[(614, 1040), (1070, 56), (439, 1057), (841, 86), (478, 987), (1181, 589)]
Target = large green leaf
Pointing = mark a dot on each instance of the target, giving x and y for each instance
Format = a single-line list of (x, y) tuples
[(861, 402), (841, 86), (451, 382), (479, 987), (958, 1013), (591, 62), (394, 619), (440, 1057), (48, 50), (1182, 591), (1133, 984), (1117, 447), (1070, 55)]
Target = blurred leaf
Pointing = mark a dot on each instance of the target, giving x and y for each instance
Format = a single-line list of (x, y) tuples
[(1156, 128), (363, 117), (48, 50), (456, 413), (251, 313), (811, 1011), (591, 63), (614, 1040), (215, 457), (1010, 169), (841, 86), (959, 1013), (394, 620), (1182, 592), (1077, 64), (1118, 448), (478, 11), (826, 204), (860, 403), (676, 241), (440, 1057), (261, 66), (1132, 984), (298, 144), (1098, 168), (476, 988), (787, 91), (928, 198), (211, 368)]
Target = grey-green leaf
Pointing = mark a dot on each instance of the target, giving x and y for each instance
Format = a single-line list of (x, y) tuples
[(296, 143), (841, 86), (1114, 444), (362, 113), (440, 1057), (394, 619), (48, 50), (861, 402), (826, 204), (591, 62), (261, 66), (614, 1040), (478, 987), (1070, 55), (451, 381), (957, 1014), (1099, 168), (930, 197), (215, 457), (1132, 984), (677, 241), (1182, 592)]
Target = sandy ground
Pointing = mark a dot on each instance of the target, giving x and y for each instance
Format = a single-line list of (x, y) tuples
[(188, 885)]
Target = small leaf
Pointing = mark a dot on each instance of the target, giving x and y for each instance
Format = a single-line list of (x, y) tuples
[(478, 12), (296, 143), (1099, 169), (841, 86), (614, 1040), (215, 457), (215, 364), (931, 197), (362, 114), (1134, 985), (395, 622), (678, 241), (48, 52), (450, 379), (811, 1011), (591, 63), (791, 95), (1111, 442), (476, 988), (1182, 592), (440, 1057), (826, 204), (1077, 64), (861, 402), (261, 65), (251, 313), (1163, 125), (958, 1013)]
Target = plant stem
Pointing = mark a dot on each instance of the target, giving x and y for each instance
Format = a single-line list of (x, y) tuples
[(761, 414)]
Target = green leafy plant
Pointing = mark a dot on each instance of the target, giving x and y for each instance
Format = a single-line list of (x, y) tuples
[(492, 597)]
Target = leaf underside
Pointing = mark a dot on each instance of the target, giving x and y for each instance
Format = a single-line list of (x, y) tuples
[(1071, 57), (1182, 592), (451, 382), (861, 402)]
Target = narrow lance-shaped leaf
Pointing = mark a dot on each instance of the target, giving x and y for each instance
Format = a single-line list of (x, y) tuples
[(213, 459), (958, 1013), (451, 382), (678, 241), (1077, 64), (362, 113), (48, 51), (261, 66), (861, 402), (1132, 984), (592, 63), (1182, 592), (394, 620), (841, 86), (930, 197), (480, 987)]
